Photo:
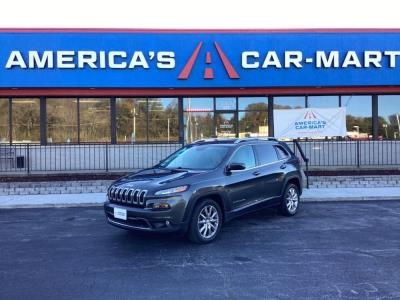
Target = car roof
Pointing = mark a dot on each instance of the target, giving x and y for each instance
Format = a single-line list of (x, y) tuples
[(233, 141)]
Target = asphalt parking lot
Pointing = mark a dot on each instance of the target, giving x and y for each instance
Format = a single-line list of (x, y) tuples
[(328, 251)]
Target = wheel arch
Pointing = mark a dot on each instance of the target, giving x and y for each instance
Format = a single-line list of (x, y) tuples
[(292, 180)]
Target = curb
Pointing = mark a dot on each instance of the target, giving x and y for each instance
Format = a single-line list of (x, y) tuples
[(350, 199)]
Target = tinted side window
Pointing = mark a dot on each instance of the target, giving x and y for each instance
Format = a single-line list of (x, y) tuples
[(266, 154), (282, 153), (244, 155)]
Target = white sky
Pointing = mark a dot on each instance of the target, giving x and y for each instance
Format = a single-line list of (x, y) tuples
[(200, 13)]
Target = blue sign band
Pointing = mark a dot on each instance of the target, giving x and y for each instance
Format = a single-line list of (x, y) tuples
[(198, 60)]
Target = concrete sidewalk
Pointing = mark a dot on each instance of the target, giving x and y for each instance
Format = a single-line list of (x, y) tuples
[(97, 199)]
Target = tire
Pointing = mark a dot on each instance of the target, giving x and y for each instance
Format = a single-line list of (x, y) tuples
[(206, 214), (290, 201)]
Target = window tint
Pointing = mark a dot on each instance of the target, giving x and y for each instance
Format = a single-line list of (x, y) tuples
[(266, 154), (244, 155), (203, 157), (282, 153)]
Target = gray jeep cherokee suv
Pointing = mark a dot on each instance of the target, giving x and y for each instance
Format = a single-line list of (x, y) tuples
[(206, 183)]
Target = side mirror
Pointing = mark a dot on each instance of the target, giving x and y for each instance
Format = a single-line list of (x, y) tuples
[(235, 167)]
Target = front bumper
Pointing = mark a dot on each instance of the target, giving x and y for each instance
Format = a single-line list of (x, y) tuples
[(145, 220)]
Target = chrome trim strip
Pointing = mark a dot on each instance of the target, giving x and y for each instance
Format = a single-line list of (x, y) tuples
[(141, 197), (128, 226)]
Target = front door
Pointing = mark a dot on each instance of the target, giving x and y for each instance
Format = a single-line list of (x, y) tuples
[(225, 124)]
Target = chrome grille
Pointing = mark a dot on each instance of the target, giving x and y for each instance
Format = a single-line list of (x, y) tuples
[(133, 197)]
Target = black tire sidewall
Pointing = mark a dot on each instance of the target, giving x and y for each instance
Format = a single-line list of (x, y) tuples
[(194, 234)]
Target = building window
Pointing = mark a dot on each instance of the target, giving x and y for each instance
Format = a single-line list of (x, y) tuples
[(163, 119), (253, 117), (4, 121), (95, 118), (198, 118), (225, 103), (389, 116), (26, 120), (323, 101), (62, 120), (358, 116), (289, 102), (131, 120)]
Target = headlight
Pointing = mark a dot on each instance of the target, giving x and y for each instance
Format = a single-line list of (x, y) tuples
[(178, 189)]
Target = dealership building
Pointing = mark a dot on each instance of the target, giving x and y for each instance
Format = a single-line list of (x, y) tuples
[(146, 87)]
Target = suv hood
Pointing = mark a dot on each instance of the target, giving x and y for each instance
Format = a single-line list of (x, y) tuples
[(156, 178)]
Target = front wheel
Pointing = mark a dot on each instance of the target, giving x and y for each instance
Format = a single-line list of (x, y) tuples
[(206, 222), (290, 201)]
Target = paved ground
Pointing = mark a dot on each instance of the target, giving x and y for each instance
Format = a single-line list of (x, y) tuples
[(328, 251), (96, 199)]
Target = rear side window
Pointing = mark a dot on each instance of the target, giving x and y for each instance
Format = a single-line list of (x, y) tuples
[(244, 155), (282, 153), (266, 154)]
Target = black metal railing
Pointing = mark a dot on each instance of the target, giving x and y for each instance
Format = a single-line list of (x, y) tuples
[(299, 152), (69, 158), (102, 158), (326, 154)]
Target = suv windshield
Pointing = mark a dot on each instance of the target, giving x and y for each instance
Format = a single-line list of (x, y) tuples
[(201, 157)]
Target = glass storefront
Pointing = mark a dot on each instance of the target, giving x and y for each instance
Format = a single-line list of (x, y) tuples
[(131, 120), (94, 119), (147, 120), (198, 118), (26, 120), (289, 102), (163, 119), (4, 121), (323, 101), (389, 116), (62, 120), (358, 116)]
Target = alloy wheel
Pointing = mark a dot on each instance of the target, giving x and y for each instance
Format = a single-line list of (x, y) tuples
[(292, 200), (208, 221)]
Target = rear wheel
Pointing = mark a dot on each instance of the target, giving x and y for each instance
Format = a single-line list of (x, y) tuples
[(290, 201), (206, 222)]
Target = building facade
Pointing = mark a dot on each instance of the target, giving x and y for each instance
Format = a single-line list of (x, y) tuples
[(165, 86)]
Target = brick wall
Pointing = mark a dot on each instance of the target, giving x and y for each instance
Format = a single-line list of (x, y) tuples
[(354, 181), (100, 186), (54, 187)]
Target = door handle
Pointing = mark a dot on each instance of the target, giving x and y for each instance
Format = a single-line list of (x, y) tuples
[(256, 173), (283, 166)]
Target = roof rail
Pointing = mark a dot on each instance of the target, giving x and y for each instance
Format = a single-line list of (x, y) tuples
[(240, 140)]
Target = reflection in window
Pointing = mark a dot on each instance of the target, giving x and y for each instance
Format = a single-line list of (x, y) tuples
[(4, 122), (198, 125), (244, 155), (289, 102), (323, 101), (94, 119), (26, 120), (253, 124), (131, 120), (163, 119), (389, 116), (253, 103), (198, 104), (225, 103), (225, 125), (358, 116), (62, 120)]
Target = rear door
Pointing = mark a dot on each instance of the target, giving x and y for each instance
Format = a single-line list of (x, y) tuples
[(271, 170), (241, 185)]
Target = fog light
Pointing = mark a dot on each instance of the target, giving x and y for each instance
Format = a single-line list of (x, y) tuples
[(161, 205)]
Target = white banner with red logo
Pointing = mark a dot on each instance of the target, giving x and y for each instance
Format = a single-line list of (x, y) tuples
[(310, 122)]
